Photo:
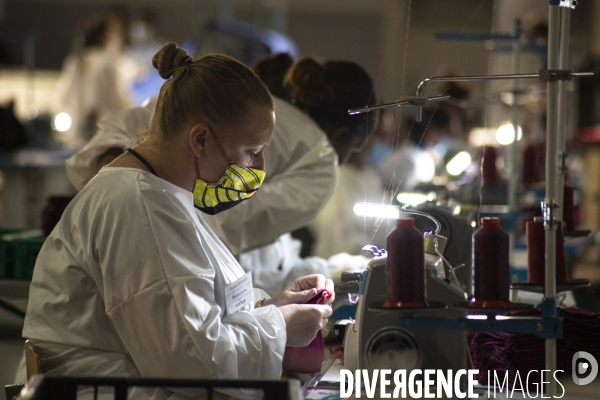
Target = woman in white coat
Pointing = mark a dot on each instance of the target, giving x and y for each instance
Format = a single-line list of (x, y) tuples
[(312, 129), (95, 79), (132, 281)]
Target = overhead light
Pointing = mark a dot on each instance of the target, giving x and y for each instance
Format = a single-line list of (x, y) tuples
[(506, 133), (424, 167), (377, 210), (61, 122), (459, 163), (414, 199), (480, 136), (476, 316)]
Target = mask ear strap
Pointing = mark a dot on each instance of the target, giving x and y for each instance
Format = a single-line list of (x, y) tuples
[(197, 167), (219, 145)]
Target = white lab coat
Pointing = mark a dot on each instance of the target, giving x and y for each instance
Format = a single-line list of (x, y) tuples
[(301, 172), (131, 283), (273, 267), (92, 83)]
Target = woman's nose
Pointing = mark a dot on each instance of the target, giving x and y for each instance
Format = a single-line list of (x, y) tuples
[(261, 163)]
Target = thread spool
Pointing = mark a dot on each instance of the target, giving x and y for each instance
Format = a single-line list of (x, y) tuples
[(569, 209), (488, 168), (530, 170), (405, 266), (536, 252), (491, 275)]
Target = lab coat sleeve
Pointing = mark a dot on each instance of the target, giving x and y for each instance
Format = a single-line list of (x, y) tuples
[(115, 131), (291, 199), (171, 325)]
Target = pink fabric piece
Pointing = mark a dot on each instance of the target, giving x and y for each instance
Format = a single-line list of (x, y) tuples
[(307, 359)]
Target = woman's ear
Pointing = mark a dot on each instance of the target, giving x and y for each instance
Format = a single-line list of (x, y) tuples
[(198, 136)]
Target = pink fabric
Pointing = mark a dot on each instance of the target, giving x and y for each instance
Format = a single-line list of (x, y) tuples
[(308, 359)]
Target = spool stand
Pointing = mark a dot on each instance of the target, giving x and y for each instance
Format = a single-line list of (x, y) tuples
[(548, 326)]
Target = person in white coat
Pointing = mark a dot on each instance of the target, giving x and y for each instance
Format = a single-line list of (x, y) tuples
[(132, 281), (95, 79), (313, 128)]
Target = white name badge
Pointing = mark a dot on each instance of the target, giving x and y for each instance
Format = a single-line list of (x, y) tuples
[(239, 295)]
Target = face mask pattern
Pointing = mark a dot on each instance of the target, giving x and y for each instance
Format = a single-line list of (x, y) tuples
[(239, 183)]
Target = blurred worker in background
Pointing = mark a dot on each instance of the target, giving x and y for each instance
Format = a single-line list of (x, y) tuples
[(144, 44), (324, 91), (96, 77), (337, 229)]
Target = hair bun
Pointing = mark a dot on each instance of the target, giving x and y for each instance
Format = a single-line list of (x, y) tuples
[(169, 58), (306, 81)]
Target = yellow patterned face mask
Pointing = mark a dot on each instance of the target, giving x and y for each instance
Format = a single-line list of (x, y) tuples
[(239, 183)]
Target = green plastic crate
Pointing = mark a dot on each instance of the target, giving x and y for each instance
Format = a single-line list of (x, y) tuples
[(26, 252), (8, 241)]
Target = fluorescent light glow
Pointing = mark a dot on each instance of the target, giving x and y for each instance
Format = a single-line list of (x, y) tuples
[(414, 199), (459, 163), (479, 137), (377, 210), (506, 133), (476, 316), (61, 122), (424, 167)]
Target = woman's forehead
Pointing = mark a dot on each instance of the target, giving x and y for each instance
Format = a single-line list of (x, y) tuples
[(256, 130)]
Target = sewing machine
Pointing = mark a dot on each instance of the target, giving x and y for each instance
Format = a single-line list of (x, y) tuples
[(376, 341)]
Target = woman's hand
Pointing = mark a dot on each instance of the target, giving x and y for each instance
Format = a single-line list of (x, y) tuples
[(302, 289), (303, 321)]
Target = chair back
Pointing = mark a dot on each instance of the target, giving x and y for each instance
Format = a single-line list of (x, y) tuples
[(33, 361)]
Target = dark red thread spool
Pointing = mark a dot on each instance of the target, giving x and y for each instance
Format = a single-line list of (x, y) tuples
[(569, 209), (530, 170), (536, 253), (405, 266), (488, 167), (491, 275)]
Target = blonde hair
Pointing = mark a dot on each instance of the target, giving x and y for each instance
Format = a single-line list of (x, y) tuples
[(216, 88)]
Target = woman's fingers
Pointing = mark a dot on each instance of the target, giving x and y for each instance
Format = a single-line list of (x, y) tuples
[(330, 288), (316, 281), (304, 321), (302, 297)]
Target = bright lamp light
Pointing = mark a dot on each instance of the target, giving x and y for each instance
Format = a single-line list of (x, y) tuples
[(377, 210), (415, 199), (459, 163), (506, 134), (61, 122)]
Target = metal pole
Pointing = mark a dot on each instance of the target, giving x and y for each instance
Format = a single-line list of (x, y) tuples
[(514, 147), (513, 169), (565, 27), (550, 200)]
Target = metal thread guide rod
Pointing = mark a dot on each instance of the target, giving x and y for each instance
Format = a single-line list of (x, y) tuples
[(563, 64), (550, 204), (420, 101), (407, 101), (514, 110)]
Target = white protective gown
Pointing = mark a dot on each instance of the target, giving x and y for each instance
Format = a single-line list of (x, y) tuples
[(301, 172), (131, 283), (95, 83)]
